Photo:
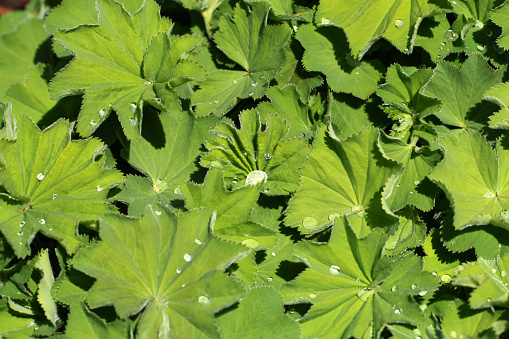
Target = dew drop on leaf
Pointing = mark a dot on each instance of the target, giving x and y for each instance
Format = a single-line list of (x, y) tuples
[(504, 214), (273, 254), (158, 100), (251, 94), (416, 182), (325, 21), (312, 296), (422, 293), (309, 223), (99, 188), (132, 122), (334, 270), (40, 176), (394, 288), (365, 293), (503, 274), (20, 233), (158, 213), (197, 241), (254, 83), (188, 257), (411, 192), (399, 23), (256, 177), (177, 190), (414, 286), (481, 48), (93, 123), (21, 224), (450, 35), (398, 185), (54, 196), (334, 215), (269, 279), (445, 278), (398, 311), (102, 113), (42, 221), (453, 334), (204, 300), (235, 180), (251, 243), (498, 49), (178, 271), (132, 107), (267, 156)]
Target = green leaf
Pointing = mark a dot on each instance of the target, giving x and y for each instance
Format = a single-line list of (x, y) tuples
[(172, 272), (500, 17), (44, 287), (408, 187), (20, 50), (160, 156), (287, 103), (461, 91), (259, 315), (488, 278), (367, 22), (438, 37), (327, 51), (51, 184), (475, 180), (31, 97), (14, 325), (8, 130), (233, 210), (252, 156), (133, 60), (498, 95), (84, 324), (349, 279), (257, 47), (461, 322), (438, 260), (342, 178)]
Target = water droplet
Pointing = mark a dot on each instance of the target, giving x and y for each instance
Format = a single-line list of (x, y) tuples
[(269, 279), (178, 271), (256, 177), (325, 21), (498, 49), (102, 113), (54, 196), (481, 48), (132, 107), (450, 35), (494, 270), (158, 213), (479, 23), (20, 233), (177, 190), (21, 243), (262, 76), (445, 278), (204, 300), (157, 100), (273, 254), (414, 286), (197, 241), (188, 257), (398, 185), (334, 215), (358, 209), (267, 156), (266, 190), (40, 176), (416, 182), (93, 123), (309, 223), (312, 296), (365, 293), (334, 270), (50, 229), (235, 180), (394, 288), (251, 94), (251, 243), (417, 331), (254, 83), (99, 188), (399, 23), (423, 307), (234, 81), (453, 334), (398, 311), (21, 224), (132, 121), (503, 274), (42, 221), (411, 192), (422, 293)]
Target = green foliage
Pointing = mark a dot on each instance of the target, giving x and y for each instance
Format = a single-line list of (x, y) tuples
[(254, 169)]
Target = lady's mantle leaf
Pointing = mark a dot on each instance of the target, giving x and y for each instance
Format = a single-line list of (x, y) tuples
[(233, 210), (461, 91), (475, 179), (460, 321), (168, 267), (366, 22), (327, 52), (250, 156), (161, 156), (499, 95), (489, 279), (44, 287), (342, 178), (257, 47), (350, 280), (259, 315), (82, 323), (122, 62), (51, 183)]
